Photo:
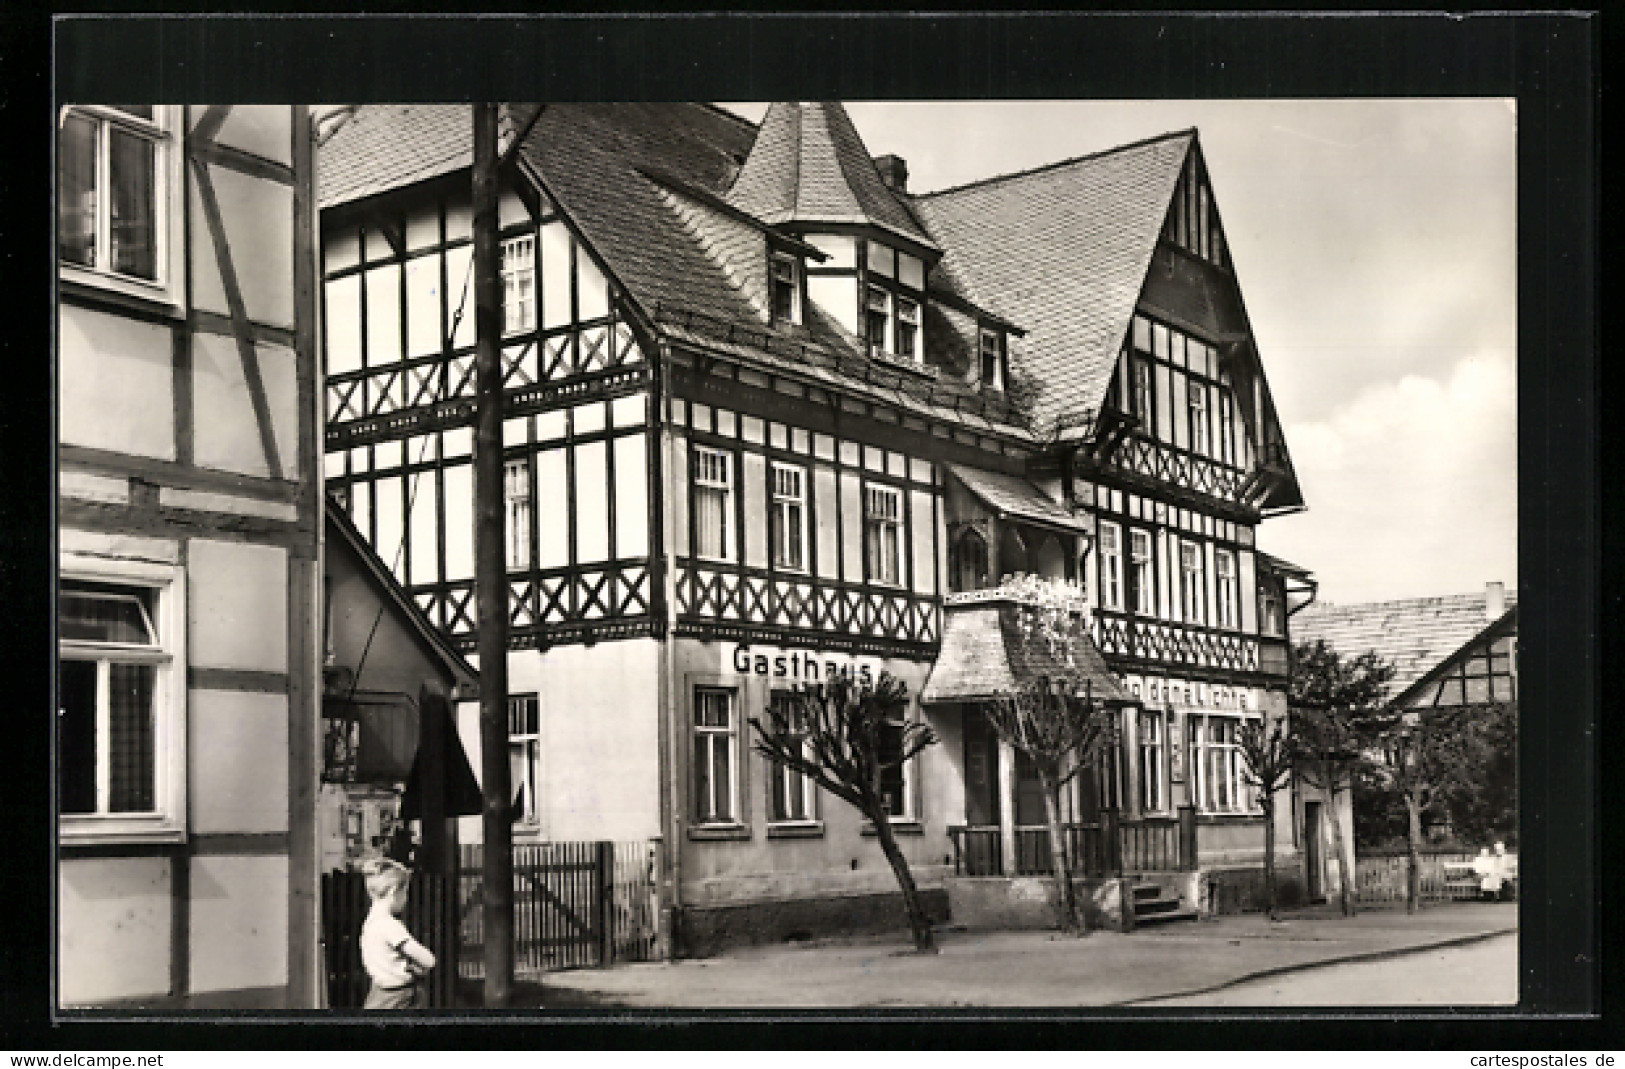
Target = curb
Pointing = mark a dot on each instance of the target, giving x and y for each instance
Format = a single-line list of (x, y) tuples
[(1345, 959)]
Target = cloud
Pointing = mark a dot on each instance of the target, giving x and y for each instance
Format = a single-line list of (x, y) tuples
[(1411, 486)]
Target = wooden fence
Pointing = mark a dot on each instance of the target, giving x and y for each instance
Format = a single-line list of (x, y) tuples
[(1381, 878), (430, 916)]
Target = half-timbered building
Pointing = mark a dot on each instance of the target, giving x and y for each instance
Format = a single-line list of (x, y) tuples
[(771, 417), (189, 586)]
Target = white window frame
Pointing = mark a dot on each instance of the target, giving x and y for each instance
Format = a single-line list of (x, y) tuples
[(518, 512), (785, 270), (1145, 572), (788, 507), (877, 524), (1225, 586), (167, 823), (785, 782), (529, 744), (906, 323), (989, 347), (1233, 795), (727, 736), (878, 301), (1152, 763), (719, 479), (910, 813), (518, 258), (1191, 581), (165, 132), (1111, 565), (1271, 623), (1227, 427), (1201, 430)]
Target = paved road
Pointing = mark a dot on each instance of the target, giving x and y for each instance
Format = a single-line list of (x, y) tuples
[(1480, 974)]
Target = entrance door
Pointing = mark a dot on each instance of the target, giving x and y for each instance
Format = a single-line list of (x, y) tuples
[(981, 771), (1313, 863)]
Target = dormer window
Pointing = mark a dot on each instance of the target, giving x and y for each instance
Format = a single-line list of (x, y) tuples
[(877, 317), (992, 346), (908, 328), (786, 289)]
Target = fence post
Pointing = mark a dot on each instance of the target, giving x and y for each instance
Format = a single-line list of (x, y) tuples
[(1187, 838), (604, 871), (1111, 830)]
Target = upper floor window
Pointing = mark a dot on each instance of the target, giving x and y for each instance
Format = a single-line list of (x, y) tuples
[(877, 318), (713, 504), (1111, 566), (1227, 428), (786, 289), (1140, 380), (883, 534), (787, 526), (992, 353), (969, 564), (120, 730), (1142, 579), (519, 284), (516, 508), (1271, 618), (1224, 572), (118, 178), (1190, 581), (525, 754), (1197, 394), (907, 329)]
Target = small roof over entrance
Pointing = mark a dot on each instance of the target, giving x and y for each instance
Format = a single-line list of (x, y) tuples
[(1011, 495), (989, 651)]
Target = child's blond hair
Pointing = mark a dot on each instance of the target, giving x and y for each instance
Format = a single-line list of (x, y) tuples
[(383, 876)]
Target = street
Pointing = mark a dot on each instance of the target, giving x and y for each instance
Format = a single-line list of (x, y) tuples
[(1479, 974)]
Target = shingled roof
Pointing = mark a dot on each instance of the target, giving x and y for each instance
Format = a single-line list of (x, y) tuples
[(1014, 496), (989, 651), (1063, 251), (380, 147), (1414, 635), (808, 165)]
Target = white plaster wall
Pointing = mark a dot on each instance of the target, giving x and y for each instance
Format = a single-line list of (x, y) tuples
[(238, 613), (226, 429), (238, 747), (114, 925), (257, 215), (239, 922), (116, 382), (263, 129)]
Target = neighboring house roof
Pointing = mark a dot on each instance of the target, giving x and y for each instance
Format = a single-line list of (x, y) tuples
[(340, 528), (1063, 251), (1414, 635), (989, 651), (1014, 496), (379, 147), (808, 165)]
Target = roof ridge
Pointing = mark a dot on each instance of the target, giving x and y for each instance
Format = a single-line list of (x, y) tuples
[(1391, 601), (740, 119), (1056, 165)]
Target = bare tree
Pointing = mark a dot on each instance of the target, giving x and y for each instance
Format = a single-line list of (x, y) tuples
[(1425, 753), (1267, 758), (846, 736), (1059, 732)]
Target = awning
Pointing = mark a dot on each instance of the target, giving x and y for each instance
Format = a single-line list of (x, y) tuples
[(989, 650), (1011, 495)]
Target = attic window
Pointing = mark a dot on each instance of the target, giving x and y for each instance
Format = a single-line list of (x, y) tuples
[(992, 359), (908, 328), (877, 316), (786, 289)]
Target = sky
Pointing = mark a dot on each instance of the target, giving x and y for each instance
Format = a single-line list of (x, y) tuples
[(1375, 245)]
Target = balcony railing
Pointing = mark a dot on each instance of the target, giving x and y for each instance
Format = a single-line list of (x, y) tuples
[(1189, 645), (1110, 847)]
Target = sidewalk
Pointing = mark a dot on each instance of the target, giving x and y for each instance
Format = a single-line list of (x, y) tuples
[(1019, 969)]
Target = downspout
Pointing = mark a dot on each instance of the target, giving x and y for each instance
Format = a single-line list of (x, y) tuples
[(670, 789)]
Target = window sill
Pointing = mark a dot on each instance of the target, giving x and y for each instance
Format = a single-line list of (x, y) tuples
[(899, 826), (86, 287), (92, 831), (811, 829), (718, 832)]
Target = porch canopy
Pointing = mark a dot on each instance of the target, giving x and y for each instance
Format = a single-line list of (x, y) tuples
[(989, 651), (1013, 496)]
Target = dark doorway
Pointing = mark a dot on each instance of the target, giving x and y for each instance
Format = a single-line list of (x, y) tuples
[(1314, 874), (981, 771)]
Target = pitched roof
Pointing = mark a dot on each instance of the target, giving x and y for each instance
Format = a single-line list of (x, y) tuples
[(1414, 635), (1063, 251), (380, 147), (1015, 496), (808, 165), (989, 651)]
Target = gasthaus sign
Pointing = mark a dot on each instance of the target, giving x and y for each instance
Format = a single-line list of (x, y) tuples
[(798, 666)]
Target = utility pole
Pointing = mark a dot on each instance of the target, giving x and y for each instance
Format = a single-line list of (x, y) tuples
[(490, 571)]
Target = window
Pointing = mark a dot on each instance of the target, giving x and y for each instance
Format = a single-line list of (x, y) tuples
[(1111, 566), (883, 534), (1190, 579), (895, 778), (1224, 570), (908, 328), (1141, 577), (1109, 776), (1220, 786), (1197, 394), (787, 524), (525, 754), (1227, 427), (793, 797), (118, 169), (713, 504), (1140, 370), (969, 564), (715, 762), (1270, 619), (877, 317), (516, 508), (1153, 763), (992, 359), (786, 290), (519, 284), (120, 729)]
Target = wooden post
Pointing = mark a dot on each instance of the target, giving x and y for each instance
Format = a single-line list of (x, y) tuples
[(490, 576), (1187, 838), (1111, 832), (604, 871)]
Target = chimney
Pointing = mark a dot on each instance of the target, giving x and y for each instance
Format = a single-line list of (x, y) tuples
[(894, 172), (1495, 601)]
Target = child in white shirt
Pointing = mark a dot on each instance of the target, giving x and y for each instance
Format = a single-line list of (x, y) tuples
[(393, 959)]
